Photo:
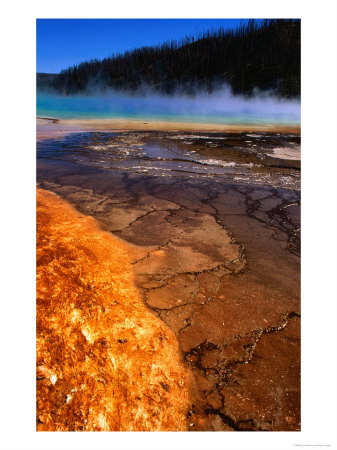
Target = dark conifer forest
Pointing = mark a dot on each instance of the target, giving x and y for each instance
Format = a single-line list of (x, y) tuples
[(259, 55)]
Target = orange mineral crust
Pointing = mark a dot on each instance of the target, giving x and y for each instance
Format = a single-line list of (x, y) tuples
[(104, 362)]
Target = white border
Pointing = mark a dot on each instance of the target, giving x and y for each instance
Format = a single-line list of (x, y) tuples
[(319, 100)]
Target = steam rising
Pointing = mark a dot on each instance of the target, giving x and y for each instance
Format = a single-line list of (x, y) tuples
[(220, 106)]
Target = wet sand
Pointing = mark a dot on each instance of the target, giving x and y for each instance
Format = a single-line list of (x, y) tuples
[(220, 264)]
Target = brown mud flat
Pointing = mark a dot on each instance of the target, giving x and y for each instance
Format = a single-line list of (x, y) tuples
[(220, 266), (104, 362)]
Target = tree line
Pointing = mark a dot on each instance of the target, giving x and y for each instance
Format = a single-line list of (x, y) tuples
[(263, 55)]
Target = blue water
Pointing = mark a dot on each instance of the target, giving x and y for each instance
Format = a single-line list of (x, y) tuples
[(219, 107)]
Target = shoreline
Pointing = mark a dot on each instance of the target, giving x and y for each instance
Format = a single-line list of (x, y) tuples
[(51, 125)]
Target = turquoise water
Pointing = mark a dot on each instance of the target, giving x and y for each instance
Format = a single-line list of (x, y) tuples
[(220, 107)]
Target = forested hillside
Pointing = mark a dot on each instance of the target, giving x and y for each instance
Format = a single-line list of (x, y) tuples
[(262, 55)]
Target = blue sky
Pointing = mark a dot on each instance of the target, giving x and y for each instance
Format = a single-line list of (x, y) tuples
[(65, 42)]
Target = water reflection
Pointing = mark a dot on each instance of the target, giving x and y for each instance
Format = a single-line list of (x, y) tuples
[(235, 157)]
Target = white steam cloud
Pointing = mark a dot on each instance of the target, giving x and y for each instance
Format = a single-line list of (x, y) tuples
[(220, 105)]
